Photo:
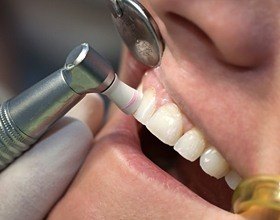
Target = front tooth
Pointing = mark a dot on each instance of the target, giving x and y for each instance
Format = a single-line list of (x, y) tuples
[(233, 179), (147, 106), (213, 163), (166, 124), (190, 145)]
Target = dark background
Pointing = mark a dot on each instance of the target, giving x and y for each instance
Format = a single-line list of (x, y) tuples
[(37, 35)]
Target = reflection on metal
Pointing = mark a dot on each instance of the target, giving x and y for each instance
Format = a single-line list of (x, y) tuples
[(138, 30)]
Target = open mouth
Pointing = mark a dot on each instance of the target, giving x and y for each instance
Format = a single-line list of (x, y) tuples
[(178, 148), (132, 172)]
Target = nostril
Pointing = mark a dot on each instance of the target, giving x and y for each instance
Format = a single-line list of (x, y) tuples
[(240, 49), (233, 42), (190, 26)]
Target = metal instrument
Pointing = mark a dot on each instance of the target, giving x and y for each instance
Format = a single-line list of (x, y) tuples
[(26, 117), (138, 30)]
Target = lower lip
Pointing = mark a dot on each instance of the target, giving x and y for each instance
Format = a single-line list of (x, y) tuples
[(134, 159)]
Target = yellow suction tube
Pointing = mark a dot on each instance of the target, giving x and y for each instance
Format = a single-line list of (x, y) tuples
[(258, 198)]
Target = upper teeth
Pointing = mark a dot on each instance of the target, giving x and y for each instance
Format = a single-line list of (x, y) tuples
[(233, 179), (190, 145), (166, 123), (213, 163), (147, 106)]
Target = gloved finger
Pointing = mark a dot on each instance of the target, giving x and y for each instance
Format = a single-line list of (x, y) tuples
[(31, 185), (90, 110)]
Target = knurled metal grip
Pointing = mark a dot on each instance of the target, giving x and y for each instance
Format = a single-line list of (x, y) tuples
[(13, 142)]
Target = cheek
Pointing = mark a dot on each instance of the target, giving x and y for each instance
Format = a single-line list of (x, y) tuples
[(221, 67), (225, 108)]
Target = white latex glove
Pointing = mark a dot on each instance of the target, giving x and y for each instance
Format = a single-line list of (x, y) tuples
[(31, 185)]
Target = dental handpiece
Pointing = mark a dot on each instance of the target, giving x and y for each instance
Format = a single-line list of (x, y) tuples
[(26, 117)]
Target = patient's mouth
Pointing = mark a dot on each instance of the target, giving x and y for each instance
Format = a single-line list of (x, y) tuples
[(193, 150), (195, 163)]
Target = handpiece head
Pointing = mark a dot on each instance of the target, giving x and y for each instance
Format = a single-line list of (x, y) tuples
[(26, 117), (86, 71)]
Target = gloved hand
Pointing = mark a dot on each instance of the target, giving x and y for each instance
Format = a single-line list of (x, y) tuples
[(31, 185)]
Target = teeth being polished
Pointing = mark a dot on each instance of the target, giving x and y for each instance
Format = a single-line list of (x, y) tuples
[(163, 119), (191, 145), (147, 106), (166, 124), (213, 163)]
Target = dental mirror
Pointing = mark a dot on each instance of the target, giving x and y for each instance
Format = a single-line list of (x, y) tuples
[(138, 30)]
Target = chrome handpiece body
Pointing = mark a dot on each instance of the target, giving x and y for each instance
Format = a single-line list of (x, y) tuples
[(26, 117)]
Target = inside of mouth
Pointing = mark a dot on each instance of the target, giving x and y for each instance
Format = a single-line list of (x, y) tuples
[(188, 173)]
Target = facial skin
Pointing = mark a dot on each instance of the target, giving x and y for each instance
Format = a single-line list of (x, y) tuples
[(221, 67)]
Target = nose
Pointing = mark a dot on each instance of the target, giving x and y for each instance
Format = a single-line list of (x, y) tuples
[(237, 32)]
